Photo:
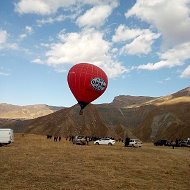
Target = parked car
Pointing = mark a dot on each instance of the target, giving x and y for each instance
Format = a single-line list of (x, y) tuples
[(185, 143), (135, 143), (81, 140), (6, 136), (162, 143), (106, 141)]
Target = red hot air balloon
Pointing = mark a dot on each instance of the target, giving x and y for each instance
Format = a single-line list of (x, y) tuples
[(87, 82)]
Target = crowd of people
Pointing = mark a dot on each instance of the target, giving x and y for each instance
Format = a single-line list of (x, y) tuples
[(55, 138), (58, 138)]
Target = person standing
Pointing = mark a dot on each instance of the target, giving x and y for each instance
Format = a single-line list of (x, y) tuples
[(173, 144), (127, 140), (87, 140)]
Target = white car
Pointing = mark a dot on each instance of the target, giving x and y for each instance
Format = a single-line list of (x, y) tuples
[(79, 140), (106, 141), (135, 143)]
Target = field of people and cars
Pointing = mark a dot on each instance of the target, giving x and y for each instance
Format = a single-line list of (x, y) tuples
[(82, 140), (37, 162), (176, 143)]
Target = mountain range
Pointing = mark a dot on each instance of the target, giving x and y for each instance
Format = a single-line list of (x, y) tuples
[(147, 118), (9, 111)]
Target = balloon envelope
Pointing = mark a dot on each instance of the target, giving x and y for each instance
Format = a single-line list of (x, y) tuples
[(87, 82)]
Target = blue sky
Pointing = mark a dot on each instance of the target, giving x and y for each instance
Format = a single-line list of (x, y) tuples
[(143, 46)]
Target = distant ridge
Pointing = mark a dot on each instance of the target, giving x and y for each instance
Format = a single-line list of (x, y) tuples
[(124, 101), (183, 92), (8, 111)]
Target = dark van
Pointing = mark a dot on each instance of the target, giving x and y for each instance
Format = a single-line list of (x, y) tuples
[(162, 143)]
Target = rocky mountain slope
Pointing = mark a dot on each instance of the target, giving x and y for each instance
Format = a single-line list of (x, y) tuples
[(146, 118), (124, 101), (66, 122), (163, 117)]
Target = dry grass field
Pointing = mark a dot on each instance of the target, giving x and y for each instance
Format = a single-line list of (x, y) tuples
[(33, 163)]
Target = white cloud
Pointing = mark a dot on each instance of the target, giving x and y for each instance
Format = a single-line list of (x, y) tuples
[(47, 7), (38, 61), (3, 36), (95, 16), (141, 44), (171, 18), (3, 72), (12, 46), (171, 58), (4, 44), (138, 41), (27, 31), (41, 7), (51, 20), (46, 45), (100, 2), (87, 46), (186, 73), (164, 80), (22, 36), (78, 46), (60, 69), (123, 33)]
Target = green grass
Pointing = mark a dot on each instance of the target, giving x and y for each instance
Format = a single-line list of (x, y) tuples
[(33, 162)]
